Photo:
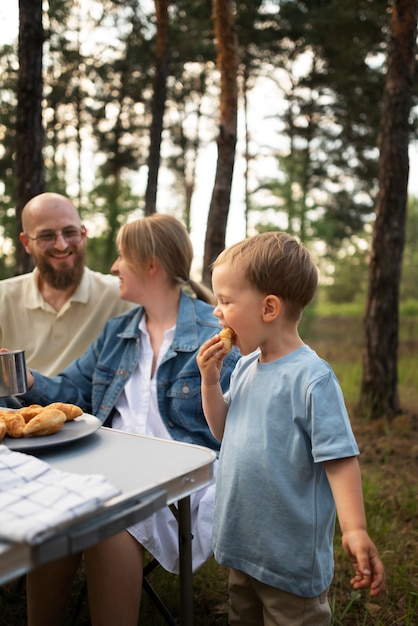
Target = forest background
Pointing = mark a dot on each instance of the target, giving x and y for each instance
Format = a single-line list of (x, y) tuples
[(292, 108), (315, 174)]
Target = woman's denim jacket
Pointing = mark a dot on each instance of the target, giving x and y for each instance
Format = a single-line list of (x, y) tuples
[(95, 380)]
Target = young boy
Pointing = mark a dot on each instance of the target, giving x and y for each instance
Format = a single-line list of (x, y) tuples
[(288, 456)]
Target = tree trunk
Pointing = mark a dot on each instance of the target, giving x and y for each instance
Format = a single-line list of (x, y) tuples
[(29, 131), (379, 391), (227, 61), (158, 104), (247, 155)]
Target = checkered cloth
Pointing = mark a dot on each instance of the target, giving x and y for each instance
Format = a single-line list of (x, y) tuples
[(35, 498)]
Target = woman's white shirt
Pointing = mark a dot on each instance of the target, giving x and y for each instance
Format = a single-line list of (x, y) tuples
[(137, 407)]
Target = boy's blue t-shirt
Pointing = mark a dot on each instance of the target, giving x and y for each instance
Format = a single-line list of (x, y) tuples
[(274, 513)]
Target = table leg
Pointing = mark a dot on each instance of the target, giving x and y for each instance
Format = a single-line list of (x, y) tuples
[(186, 573)]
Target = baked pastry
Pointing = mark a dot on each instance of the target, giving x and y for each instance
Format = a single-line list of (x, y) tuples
[(47, 422), (3, 429), (30, 411), (71, 411), (228, 338), (36, 420), (15, 424)]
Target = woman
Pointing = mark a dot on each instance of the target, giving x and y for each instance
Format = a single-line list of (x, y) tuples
[(140, 376)]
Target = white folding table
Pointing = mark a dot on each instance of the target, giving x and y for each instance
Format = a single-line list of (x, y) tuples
[(151, 473)]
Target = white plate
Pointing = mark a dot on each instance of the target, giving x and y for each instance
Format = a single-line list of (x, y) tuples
[(76, 429)]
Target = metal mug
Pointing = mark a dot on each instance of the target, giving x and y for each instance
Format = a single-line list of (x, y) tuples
[(13, 379)]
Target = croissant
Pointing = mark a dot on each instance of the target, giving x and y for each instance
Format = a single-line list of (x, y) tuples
[(15, 425), (29, 412), (71, 411), (47, 422), (228, 337), (3, 429)]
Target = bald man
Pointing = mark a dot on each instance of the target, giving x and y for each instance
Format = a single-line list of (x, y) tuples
[(56, 311)]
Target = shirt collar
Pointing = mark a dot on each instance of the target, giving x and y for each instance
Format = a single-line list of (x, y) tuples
[(186, 334), (34, 297)]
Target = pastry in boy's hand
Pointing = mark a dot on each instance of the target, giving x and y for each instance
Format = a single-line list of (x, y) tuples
[(228, 338)]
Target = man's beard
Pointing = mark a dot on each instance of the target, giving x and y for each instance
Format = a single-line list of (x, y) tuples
[(66, 277)]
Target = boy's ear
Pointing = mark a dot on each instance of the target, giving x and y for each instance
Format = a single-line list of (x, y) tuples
[(272, 306)]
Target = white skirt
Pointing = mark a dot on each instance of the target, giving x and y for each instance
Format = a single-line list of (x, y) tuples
[(159, 532)]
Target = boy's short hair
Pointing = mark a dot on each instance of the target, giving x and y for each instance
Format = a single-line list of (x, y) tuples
[(276, 263)]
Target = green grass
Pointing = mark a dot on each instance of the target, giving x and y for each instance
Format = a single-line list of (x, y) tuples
[(389, 461)]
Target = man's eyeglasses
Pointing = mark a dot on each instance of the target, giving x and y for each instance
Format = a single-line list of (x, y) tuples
[(47, 238)]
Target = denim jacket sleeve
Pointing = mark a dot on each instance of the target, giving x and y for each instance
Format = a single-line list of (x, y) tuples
[(178, 378), (72, 385)]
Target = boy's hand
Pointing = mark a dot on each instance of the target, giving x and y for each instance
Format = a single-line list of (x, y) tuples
[(369, 569), (215, 408), (209, 360)]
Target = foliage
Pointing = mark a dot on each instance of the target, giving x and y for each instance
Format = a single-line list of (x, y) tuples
[(346, 271), (113, 202), (409, 281), (331, 86), (99, 67), (8, 194), (349, 278)]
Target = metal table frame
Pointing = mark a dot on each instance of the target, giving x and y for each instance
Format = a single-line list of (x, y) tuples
[(151, 473)]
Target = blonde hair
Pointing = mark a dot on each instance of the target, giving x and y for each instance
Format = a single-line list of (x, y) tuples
[(276, 263), (162, 237)]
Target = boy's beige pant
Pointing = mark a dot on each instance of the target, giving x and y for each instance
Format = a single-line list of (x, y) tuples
[(252, 603)]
